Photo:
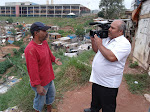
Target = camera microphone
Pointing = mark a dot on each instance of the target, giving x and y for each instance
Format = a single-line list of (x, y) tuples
[(93, 23)]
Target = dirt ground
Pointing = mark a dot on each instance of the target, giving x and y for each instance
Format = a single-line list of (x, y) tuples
[(6, 50), (80, 98)]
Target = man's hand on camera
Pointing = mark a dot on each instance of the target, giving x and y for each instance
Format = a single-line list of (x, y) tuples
[(97, 40)]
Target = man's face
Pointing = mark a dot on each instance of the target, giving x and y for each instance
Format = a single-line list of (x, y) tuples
[(114, 31), (42, 35)]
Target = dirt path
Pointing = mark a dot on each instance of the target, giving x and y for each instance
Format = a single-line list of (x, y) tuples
[(7, 49), (80, 98)]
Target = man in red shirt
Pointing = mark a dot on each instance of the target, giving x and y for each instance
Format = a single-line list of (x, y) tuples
[(39, 60)]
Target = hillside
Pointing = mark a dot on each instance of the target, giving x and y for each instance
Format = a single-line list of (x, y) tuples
[(74, 72)]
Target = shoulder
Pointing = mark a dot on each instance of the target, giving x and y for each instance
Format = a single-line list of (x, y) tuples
[(122, 44), (30, 47), (45, 42), (105, 39), (123, 40)]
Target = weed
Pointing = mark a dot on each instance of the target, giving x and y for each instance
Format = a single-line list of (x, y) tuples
[(138, 83), (133, 65)]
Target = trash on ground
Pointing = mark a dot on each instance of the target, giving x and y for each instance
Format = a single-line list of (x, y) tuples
[(12, 109), (135, 82), (8, 84)]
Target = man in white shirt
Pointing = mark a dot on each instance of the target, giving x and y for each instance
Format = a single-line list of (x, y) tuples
[(107, 67)]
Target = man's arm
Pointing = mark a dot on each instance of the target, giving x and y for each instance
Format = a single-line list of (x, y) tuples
[(108, 54), (32, 66), (94, 46)]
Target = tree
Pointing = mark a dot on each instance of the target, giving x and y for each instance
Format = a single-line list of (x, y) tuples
[(112, 8), (14, 32), (101, 13), (20, 27), (80, 31)]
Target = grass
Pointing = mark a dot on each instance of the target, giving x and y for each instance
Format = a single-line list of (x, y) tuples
[(20, 94), (74, 71), (67, 76), (134, 64), (143, 85), (61, 22)]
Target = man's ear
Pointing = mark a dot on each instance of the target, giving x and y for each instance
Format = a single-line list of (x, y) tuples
[(35, 33), (121, 32)]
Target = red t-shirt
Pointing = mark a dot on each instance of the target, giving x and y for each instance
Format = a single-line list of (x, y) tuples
[(39, 60)]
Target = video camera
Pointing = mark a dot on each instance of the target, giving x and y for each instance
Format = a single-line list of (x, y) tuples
[(103, 26)]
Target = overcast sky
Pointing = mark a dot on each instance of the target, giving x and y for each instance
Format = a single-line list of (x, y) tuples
[(92, 4)]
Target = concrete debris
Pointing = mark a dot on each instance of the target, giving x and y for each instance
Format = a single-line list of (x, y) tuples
[(12, 109), (147, 96)]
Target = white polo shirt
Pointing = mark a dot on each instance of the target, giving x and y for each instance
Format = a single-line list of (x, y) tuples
[(106, 73)]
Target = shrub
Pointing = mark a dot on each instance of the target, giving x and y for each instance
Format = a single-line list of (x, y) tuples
[(60, 31), (10, 20), (133, 65), (4, 66), (18, 43), (22, 48), (15, 51)]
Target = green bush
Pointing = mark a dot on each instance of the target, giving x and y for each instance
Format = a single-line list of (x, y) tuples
[(18, 43), (87, 22), (10, 20), (15, 51), (80, 30), (4, 66), (133, 65), (22, 48), (60, 31)]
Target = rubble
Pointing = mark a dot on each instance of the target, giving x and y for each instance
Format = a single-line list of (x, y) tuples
[(147, 96), (10, 81)]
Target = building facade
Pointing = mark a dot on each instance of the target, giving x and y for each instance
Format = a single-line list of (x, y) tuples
[(29, 9)]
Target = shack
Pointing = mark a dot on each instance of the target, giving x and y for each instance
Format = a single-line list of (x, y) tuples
[(141, 44), (54, 35)]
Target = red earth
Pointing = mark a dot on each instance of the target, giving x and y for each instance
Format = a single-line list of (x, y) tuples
[(80, 98)]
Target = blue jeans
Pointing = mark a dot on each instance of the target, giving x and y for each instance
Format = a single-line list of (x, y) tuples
[(48, 99)]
